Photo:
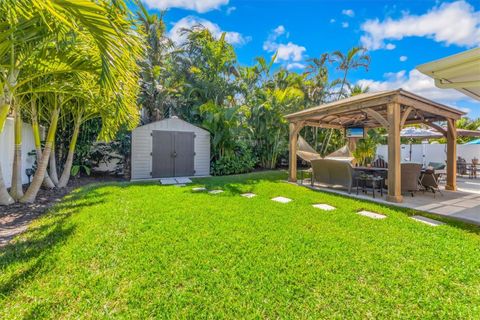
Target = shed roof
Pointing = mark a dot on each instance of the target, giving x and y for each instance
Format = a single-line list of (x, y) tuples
[(172, 122)]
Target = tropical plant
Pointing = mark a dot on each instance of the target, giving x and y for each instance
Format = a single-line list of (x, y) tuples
[(367, 148), (39, 43)]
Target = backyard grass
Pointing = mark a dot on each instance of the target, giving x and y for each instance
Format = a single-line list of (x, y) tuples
[(149, 251)]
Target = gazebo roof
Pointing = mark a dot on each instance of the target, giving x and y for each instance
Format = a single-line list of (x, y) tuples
[(370, 109)]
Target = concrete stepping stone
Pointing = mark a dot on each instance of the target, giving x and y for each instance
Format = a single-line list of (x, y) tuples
[(215, 191), (282, 199), (168, 181), (428, 221), (183, 180), (199, 189), (248, 195), (324, 206), (180, 185), (370, 214)]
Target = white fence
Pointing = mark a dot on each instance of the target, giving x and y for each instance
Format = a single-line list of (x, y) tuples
[(425, 153), (7, 149)]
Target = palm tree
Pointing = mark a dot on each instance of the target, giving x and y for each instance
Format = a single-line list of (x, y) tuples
[(355, 58), (156, 79), (27, 30), (358, 89)]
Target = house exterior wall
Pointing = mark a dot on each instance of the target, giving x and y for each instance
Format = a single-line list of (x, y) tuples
[(7, 148), (142, 147)]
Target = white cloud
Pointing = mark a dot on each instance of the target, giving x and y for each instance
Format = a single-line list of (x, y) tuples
[(295, 65), (196, 5), (290, 52), (230, 10), (278, 31), (348, 12), (345, 24), (286, 52), (189, 22), (332, 20), (450, 23), (403, 58), (415, 82), (390, 46)]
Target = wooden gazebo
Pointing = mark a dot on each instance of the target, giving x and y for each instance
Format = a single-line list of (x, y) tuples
[(389, 109)]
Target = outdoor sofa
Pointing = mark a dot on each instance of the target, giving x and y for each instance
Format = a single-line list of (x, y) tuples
[(333, 173)]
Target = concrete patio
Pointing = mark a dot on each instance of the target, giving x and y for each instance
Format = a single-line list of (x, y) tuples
[(464, 204)]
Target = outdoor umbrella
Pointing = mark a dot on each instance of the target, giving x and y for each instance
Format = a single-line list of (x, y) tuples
[(419, 133), (476, 141)]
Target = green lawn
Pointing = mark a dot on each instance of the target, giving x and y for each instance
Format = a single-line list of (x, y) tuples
[(149, 251)]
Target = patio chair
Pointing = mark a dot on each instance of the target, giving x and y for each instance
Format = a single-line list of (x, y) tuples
[(410, 177), (461, 166), (379, 163), (430, 182), (333, 173)]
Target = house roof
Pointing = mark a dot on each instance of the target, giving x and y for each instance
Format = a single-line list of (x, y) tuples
[(460, 71)]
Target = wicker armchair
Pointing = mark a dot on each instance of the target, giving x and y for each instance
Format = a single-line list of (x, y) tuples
[(410, 177)]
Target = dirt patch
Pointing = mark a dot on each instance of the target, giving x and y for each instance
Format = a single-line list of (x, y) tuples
[(14, 219)]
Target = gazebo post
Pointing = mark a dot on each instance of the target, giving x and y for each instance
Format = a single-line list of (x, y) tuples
[(292, 147), (394, 166), (451, 155)]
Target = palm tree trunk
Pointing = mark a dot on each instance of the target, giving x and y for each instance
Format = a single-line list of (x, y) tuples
[(42, 164), (47, 182), (71, 152), (53, 166), (16, 190), (5, 198)]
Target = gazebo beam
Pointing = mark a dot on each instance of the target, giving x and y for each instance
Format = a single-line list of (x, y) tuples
[(394, 166), (451, 155), (436, 127), (322, 125), (405, 115), (377, 116)]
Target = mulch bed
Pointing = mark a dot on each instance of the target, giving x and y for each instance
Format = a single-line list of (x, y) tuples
[(14, 219)]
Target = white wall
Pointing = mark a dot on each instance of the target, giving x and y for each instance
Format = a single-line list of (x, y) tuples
[(425, 153), (142, 147), (7, 148)]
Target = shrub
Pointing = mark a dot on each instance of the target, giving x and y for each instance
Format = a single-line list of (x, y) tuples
[(241, 161)]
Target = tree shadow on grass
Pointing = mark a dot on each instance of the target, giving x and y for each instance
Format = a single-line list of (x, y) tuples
[(22, 260)]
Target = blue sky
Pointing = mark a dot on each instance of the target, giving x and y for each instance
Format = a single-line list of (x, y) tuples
[(399, 34)]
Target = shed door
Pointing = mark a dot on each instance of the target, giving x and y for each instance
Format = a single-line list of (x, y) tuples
[(173, 154), (184, 154), (162, 154)]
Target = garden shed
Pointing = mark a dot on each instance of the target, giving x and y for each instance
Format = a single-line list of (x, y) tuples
[(170, 148)]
